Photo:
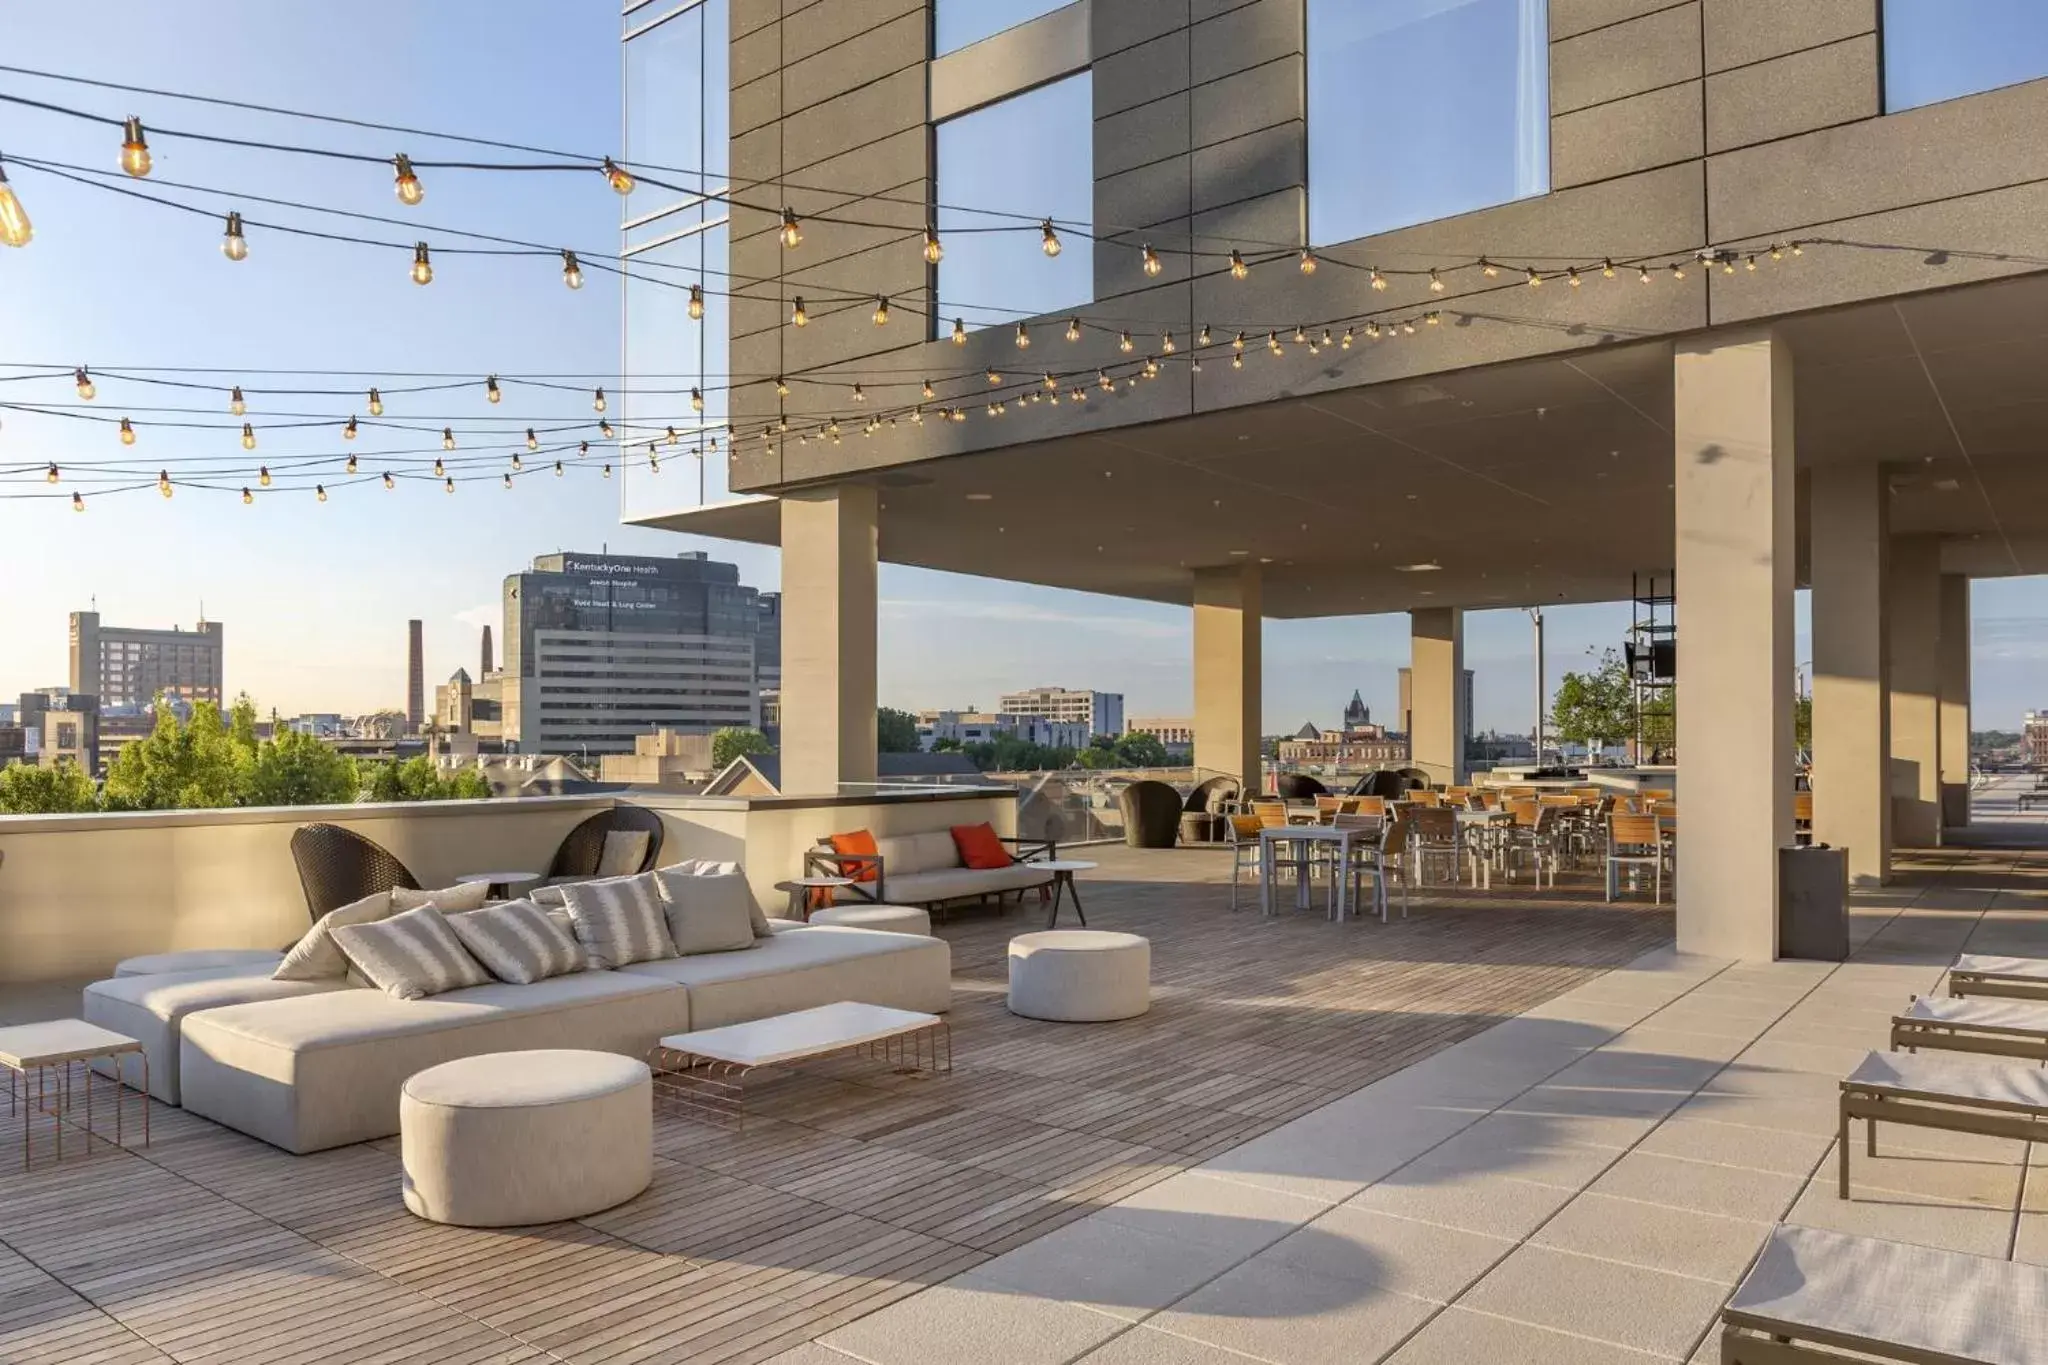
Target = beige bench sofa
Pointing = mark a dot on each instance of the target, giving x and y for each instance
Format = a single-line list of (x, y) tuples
[(324, 1067), (925, 870)]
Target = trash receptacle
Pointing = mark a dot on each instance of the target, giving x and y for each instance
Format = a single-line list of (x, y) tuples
[(1813, 903)]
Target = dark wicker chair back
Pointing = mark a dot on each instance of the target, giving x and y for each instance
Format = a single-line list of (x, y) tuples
[(578, 856), (1299, 787), (338, 866), (1213, 795), (1151, 814)]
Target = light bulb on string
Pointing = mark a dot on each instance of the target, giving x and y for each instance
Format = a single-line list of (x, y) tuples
[(1048, 240), (881, 310), (1023, 337), (934, 252), (234, 245), (781, 387), (1308, 261), (1433, 318), (248, 498), (1571, 275), (926, 389), (1327, 338), (1409, 327), (1300, 334), (959, 332), (235, 403), (1436, 281), (439, 468), (1166, 345), (491, 391), (376, 403), (1073, 329), (1203, 339), (248, 437), (532, 441), (1728, 264), (792, 233), (1644, 275), (607, 471), (83, 381), (348, 433), (134, 148), (52, 475), (389, 482), (1535, 278), (1378, 281), (797, 316), (696, 400), (263, 475), (15, 228), (77, 503), (1345, 344), (163, 482), (517, 462), (1103, 380), (1125, 344), (422, 266), (1777, 252), (696, 303), (1151, 368), (572, 270), (673, 439), (1488, 268), (1677, 271), (597, 403), (994, 377), (582, 449), (859, 394), (1238, 269), (449, 484), (127, 432), (350, 467), (407, 184), (1749, 262), (320, 491), (620, 179), (447, 438), (604, 428), (1152, 263), (1237, 342), (1050, 382), (558, 469), (1607, 269)]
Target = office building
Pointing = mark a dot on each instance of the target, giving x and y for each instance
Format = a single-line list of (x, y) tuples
[(1101, 712), (2034, 739), (415, 677), (463, 706), (1407, 703), (60, 725), (982, 727), (1177, 733), (600, 649), (128, 666)]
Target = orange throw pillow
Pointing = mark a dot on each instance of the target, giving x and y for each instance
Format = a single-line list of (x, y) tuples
[(860, 841), (980, 847)]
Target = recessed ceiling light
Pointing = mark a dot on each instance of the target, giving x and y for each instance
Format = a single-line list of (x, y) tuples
[(1240, 552), (979, 497), (1426, 566), (1265, 559)]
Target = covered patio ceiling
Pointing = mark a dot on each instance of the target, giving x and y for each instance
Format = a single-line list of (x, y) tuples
[(1527, 483)]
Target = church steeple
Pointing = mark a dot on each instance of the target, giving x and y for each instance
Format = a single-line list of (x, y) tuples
[(1357, 715)]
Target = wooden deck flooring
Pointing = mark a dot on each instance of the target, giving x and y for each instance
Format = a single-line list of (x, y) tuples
[(849, 1188)]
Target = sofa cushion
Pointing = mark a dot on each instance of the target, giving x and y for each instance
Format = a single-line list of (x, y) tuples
[(619, 920), (519, 942), (623, 852), (316, 956), (411, 955), (929, 888), (931, 851), (449, 900), (707, 867), (706, 912), (151, 1009), (980, 847), (326, 1070), (799, 967)]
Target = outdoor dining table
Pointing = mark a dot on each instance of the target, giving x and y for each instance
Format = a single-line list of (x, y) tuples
[(1340, 836), (1480, 825)]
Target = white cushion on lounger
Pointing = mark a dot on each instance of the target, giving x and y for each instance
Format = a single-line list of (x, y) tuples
[(151, 1009)]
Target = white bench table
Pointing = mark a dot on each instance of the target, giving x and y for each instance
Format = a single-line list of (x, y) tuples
[(37, 1050), (704, 1072)]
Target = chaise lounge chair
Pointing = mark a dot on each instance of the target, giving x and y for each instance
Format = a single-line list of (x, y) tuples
[(1996, 1099), (1997, 1028), (2021, 978), (1813, 1294)]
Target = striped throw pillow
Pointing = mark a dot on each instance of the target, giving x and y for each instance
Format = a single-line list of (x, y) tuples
[(619, 920), (518, 942), (411, 956)]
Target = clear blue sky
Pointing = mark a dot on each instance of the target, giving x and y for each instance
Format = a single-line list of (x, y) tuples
[(315, 597)]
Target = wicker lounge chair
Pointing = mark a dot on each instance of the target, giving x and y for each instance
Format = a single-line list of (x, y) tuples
[(582, 849), (1961, 1095), (1813, 1294), (338, 866)]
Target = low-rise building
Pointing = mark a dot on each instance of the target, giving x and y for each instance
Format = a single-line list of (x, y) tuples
[(1177, 733), (985, 727), (1101, 712), (2034, 739), (666, 758)]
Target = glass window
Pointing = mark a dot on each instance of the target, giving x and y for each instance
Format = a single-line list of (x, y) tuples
[(1487, 143), (677, 101), (956, 23), (1022, 159), (1935, 50)]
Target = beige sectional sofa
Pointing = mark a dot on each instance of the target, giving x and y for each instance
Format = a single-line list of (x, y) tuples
[(322, 1066), (925, 870)]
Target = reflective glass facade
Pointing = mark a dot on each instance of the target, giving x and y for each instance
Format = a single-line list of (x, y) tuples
[(1938, 50)]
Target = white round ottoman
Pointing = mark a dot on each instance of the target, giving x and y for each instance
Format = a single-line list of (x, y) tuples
[(890, 919), (251, 960), (512, 1138), (1080, 975)]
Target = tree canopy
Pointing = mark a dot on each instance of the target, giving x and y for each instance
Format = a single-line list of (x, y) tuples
[(295, 769), (1595, 708), (419, 779), (735, 740), (61, 789), (895, 731)]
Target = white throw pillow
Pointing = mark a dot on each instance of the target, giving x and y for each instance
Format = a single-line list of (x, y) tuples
[(411, 955), (315, 957), (449, 900), (624, 851), (706, 867), (619, 920), (706, 912), (518, 942)]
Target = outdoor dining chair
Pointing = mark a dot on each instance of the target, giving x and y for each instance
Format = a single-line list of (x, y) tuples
[(1633, 841), (1243, 837)]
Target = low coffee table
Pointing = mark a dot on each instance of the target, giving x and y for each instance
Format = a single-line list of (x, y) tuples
[(39, 1050), (704, 1073)]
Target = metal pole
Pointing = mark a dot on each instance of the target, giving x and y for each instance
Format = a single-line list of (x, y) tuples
[(1536, 614)]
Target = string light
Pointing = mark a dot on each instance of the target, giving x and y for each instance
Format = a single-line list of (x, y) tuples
[(248, 437), (1489, 268), (77, 503), (781, 387), (620, 178), (933, 251), (1050, 382), (447, 438), (376, 404), (1203, 340), (1644, 275), (1379, 281), (558, 469), (248, 498), (1777, 252), (234, 245), (1125, 344), (15, 228), (1023, 337), (696, 303), (163, 482), (582, 449), (797, 316), (517, 462), (439, 468), (422, 267), (134, 149), (607, 471), (792, 234), (1535, 278), (492, 394), (881, 310), (1273, 344), (1436, 281), (235, 403), (1607, 269), (1238, 269), (1048, 240), (389, 482), (859, 395), (52, 475), (1677, 271), (696, 400), (604, 428), (449, 484), (532, 441), (1073, 329), (263, 475), (925, 387), (959, 332), (1345, 344), (673, 439), (993, 377), (1308, 261), (83, 381), (320, 491), (408, 186), (1749, 262), (1152, 262), (1300, 335), (1571, 275), (1107, 384), (1166, 345), (1237, 342), (350, 467), (597, 403), (348, 433), (127, 432)]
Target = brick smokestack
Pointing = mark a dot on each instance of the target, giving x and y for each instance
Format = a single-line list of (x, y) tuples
[(415, 678), (486, 656)]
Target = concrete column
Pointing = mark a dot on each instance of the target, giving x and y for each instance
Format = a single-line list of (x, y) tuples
[(1436, 671), (1732, 424), (1955, 701), (1914, 587), (828, 638), (1229, 620), (1849, 513)]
